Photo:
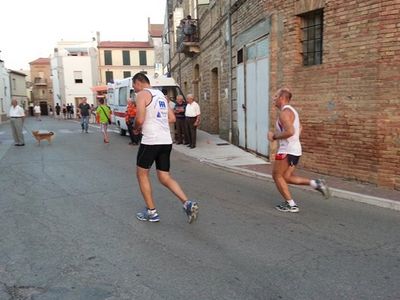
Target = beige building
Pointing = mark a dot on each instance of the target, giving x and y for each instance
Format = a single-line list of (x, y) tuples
[(118, 60), (155, 38), (42, 88), (18, 88)]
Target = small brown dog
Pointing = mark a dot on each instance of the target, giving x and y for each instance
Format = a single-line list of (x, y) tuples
[(43, 136)]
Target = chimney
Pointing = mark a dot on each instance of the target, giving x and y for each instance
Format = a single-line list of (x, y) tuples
[(98, 37)]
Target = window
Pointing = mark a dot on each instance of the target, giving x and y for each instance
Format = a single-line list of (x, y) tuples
[(142, 58), (109, 77), (240, 56), (127, 74), (14, 84), (126, 58), (107, 57), (78, 76), (143, 72), (123, 96), (311, 39), (251, 52)]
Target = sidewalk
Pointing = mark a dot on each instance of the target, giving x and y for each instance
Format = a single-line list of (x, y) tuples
[(214, 151)]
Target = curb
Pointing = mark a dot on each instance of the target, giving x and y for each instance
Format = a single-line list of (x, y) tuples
[(343, 194)]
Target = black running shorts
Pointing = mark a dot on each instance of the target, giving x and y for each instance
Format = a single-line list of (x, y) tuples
[(147, 154), (293, 160)]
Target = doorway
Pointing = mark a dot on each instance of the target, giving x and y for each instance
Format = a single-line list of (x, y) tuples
[(214, 102), (253, 96), (44, 108), (196, 80)]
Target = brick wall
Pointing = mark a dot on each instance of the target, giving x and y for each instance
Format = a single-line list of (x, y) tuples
[(349, 105)]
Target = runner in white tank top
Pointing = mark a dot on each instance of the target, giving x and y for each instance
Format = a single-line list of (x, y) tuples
[(287, 133), (152, 118), (155, 128), (290, 145)]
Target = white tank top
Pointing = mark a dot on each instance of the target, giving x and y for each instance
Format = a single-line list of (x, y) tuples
[(155, 128), (292, 144)]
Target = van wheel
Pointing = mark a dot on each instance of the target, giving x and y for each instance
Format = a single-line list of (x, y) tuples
[(122, 132)]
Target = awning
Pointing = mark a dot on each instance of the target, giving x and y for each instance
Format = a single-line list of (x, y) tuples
[(99, 88)]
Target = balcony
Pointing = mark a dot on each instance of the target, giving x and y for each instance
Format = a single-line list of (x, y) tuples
[(188, 37), (40, 81)]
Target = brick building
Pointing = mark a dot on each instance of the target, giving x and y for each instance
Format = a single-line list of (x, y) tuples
[(341, 60), (42, 87)]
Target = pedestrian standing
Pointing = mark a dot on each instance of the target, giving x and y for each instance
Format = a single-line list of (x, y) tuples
[(84, 111), (64, 111), (37, 112), (58, 109), (192, 117), (179, 111), (51, 110), (287, 133), (104, 113), (17, 117), (130, 121), (71, 111), (68, 111), (152, 119)]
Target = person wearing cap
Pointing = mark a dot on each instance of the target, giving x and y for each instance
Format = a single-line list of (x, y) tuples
[(17, 117)]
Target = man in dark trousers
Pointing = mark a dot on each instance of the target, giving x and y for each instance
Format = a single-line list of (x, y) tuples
[(192, 114), (84, 110), (179, 111)]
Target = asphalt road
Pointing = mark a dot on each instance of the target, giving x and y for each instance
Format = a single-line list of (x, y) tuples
[(68, 231)]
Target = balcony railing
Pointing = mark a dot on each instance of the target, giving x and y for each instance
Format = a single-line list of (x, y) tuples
[(188, 36), (40, 81)]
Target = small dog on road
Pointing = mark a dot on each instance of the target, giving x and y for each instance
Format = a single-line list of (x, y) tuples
[(38, 135)]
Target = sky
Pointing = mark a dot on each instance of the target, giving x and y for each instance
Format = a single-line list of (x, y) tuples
[(31, 29)]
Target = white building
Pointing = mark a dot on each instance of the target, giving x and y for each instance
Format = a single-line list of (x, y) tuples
[(5, 98), (74, 72)]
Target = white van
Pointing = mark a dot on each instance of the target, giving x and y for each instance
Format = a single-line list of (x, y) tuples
[(120, 91)]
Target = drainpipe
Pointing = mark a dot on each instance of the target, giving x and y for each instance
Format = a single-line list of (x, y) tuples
[(230, 71)]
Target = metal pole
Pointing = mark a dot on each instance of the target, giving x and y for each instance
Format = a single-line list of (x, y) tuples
[(230, 71)]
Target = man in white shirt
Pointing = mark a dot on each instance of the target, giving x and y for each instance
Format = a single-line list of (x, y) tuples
[(17, 116), (192, 114), (37, 112)]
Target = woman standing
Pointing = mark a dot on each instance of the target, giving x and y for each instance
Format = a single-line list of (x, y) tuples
[(104, 113)]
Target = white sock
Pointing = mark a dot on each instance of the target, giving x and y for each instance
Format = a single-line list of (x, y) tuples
[(152, 211), (313, 184), (291, 202)]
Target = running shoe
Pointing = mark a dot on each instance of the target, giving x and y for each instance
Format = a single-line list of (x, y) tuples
[(145, 215), (323, 188), (191, 209), (285, 207)]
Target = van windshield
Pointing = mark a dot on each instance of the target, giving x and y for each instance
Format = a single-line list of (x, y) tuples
[(170, 91)]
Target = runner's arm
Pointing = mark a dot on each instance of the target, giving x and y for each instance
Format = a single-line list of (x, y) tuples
[(143, 98), (286, 118), (171, 115)]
